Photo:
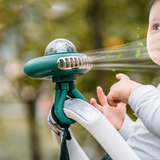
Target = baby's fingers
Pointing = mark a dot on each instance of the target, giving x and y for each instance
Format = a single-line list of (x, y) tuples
[(94, 103), (112, 100), (121, 76), (101, 96)]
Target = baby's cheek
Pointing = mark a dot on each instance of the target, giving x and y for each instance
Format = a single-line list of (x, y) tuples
[(155, 56), (153, 51)]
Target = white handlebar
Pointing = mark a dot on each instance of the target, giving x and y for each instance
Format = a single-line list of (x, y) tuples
[(101, 129)]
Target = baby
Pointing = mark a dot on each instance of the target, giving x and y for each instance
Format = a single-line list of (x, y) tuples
[(143, 136)]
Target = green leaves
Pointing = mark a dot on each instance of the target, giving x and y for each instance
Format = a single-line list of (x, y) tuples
[(113, 70), (118, 55), (138, 34), (138, 52), (141, 44), (106, 55), (128, 65), (96, 51), (114, 49)]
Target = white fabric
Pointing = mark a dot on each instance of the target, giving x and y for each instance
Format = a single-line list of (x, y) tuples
[(143, 136)]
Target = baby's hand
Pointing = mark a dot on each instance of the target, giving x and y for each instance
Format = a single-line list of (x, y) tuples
[(114, 114), (121, 90)]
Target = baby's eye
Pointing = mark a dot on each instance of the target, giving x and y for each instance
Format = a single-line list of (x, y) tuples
[(156, 27)]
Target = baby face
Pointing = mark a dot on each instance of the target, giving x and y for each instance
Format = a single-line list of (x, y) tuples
[(153, 37)]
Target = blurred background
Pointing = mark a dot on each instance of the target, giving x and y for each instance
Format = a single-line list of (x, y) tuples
[(26, 28)]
